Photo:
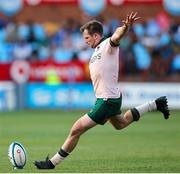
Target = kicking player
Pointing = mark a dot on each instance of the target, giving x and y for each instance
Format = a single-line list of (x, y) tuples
[(104, 68)]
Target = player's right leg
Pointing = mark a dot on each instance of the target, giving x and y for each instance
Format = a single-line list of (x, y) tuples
[(79, 127)]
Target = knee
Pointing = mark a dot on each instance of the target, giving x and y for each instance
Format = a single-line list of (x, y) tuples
[(76, 132), (119, 126), (128, 118)]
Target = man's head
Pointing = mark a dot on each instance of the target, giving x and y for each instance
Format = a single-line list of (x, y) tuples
[(92, 32)]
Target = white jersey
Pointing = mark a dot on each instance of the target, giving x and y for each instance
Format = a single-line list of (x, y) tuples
[(104, 69)]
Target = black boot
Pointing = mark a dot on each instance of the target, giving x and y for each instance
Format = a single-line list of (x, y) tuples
[(47, 164), (162, 106)]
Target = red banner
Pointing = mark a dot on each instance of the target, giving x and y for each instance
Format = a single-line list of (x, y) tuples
[(112, 2), (74, 71), (67, 72), (4, 72)]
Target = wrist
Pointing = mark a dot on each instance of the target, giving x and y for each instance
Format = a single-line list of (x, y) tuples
[(126, 26)]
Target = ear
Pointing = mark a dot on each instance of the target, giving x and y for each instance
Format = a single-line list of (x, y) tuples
[(95, 35)]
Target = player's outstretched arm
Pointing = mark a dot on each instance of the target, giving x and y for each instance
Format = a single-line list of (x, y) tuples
[(121, 31)]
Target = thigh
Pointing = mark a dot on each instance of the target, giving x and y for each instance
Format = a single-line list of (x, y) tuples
[(99, 112), (84, 123), (116, 121), (121, 121)]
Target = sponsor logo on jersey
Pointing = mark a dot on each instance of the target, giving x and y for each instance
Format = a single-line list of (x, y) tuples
[(96, 57)]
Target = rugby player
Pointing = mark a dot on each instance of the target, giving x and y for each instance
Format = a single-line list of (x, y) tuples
[(104, 68)]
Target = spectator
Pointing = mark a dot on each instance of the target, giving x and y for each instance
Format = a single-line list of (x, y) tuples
[(22, 50), (85, 54), (144, 48)]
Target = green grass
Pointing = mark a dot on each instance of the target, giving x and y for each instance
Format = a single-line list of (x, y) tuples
[(150, 145)]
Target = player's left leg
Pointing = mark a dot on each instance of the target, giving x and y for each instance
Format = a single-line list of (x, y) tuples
[(160, 104), (121, 121)]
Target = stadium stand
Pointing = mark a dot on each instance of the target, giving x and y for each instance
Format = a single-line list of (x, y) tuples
[(149, 52)]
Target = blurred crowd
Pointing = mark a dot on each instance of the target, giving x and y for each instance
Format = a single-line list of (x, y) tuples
[(149, 50)]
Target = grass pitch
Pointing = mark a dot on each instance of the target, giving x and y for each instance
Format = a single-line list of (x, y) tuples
[(150, 145)]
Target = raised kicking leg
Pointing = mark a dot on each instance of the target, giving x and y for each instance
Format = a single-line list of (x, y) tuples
[(160, 104), (78, 128)]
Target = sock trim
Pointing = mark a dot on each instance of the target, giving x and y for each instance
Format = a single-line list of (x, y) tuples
[(135, 114), (63, 153)]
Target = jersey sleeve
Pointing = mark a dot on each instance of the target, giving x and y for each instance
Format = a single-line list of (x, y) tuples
[(111, 47), (113, 44)]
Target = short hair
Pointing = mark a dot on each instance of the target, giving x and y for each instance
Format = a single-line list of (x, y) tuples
[(92, 27)]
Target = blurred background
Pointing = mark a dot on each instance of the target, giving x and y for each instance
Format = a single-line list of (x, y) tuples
[(44, 60)]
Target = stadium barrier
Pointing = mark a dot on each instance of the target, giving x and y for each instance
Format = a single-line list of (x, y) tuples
[(64, 96), (138, 93), (7, 96), (81, 95)]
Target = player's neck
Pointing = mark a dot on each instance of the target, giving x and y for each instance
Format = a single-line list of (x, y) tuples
[(99, 41)]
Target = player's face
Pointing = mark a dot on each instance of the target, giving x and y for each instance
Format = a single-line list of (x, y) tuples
[(89, 39)]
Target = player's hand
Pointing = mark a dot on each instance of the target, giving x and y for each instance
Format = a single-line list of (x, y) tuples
[(130, 19)]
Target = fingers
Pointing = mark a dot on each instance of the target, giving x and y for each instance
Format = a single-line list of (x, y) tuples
[(135, 19), (132, 17)]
